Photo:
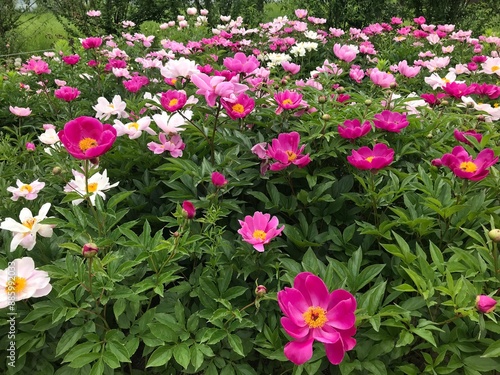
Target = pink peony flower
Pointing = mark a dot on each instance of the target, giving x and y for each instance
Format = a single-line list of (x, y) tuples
[(352, 129), (463, 166), (258, 230), (36, 66), (345, 53), (188, 209), (287, 100), (313, 313), (356, 73), (71, 59), (27, 282), (301, 13), (216, 86), (92, 42), (457, 90), (87, 138), (290, 67), (366, 159), (20, 111), (218, 179), (485, 303), (462, 136), (285, 150), (173, 100), (171, 143), (30, 146), (240, 107), (67, 93), (241, 63), (408, 71), (390, 121), (26, 191), (94, 13), (382, 79)]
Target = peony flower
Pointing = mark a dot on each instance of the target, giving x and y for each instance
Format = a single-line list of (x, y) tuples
[(20, 111), (366, 159), (36, 66), (313, 313), (179, 68), (301, 13), (21, 280), (26, 231), (463, 166), (216, 86), (345, 53), (457, 90), (188, 209), (92, 42), (408, 71), (87, 138), (462, 136), (104, 109), (134, 129), (258, 230), (49, 137), (26, 191), (352, 129), (96, 185), (71, 59), (67, 93), (239, 107), (171, 124), (485, 304), (241, 63), (169, 142), (382, 79), (218, 179), (290, 67), (30, 146), (390, 121), (287, 100), (285, 150), (94, 13), (173, 100)]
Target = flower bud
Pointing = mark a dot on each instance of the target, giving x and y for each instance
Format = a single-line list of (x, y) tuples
[(326, 117), (188, 209), (485, 304), (494, 235), (260, 291), (322, 99), (30, 146), (340, 89), (368, 102), (218, 179), (56, 170), (89, 250), (430, 135), (481, 118), (444, 102)]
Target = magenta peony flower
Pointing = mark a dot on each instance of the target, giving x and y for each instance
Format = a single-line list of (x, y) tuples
[(457, 90), (36, 66), (287, 100), (390, 121), (485, 304), (173, 100), (364, 158), (259, 229), (87, 138), (71, 59), (285, 150), (241, 63), (312, 313), (463, 166), (462, 136), (352, 129), (92, 42), (290, 67), (67, 93), (188, 209), (218, 179), (240, 107)]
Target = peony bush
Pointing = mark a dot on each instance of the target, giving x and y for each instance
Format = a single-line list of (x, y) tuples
[(283, 199)]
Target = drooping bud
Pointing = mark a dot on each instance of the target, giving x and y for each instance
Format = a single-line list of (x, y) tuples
[(485, 304)]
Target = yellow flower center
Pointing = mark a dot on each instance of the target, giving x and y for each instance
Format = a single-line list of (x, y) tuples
[(468, 166), (445, 80), (111, 105), (173, 81), (315, 317), (29, 223), (496, 105), (92, 187), (238, 108), (173, 102), (291, 155), (87, 143), (287, 101), (26, 188), (369, 159), (134, 125), (495, 68), (259, 235), (15, 284)]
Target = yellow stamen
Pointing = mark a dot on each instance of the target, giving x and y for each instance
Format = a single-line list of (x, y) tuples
[(445, 80), (87, 143), (173, 102), (26, 188), (238, 108), (134, 125), (29, 223), (173, 81), (259, 235), (15, 284), (92, 187), (287, 101), (291, 155), (315, 317), (369, 159), (468, 166), (495, 68)]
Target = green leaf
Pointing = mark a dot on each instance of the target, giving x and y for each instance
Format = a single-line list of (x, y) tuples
[(68, 339), (84, 359), (236, 344), (425, 334), (492, 351), (182, 355), (98, 368), (117, 198), (160, 356), (79, 350), (197, 357), (111, 359)]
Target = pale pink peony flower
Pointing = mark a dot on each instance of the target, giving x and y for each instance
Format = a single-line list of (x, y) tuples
[(20, 111), (94, 13), (27, 191), (345, 53), (171, 143), (21, 280), (134, 129), (301, 13), (382, 79), (97, 184), (313, 313), (258, 230)]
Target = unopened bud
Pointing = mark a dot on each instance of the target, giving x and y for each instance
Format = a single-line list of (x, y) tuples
[(444, 102), (393, 85), (260, 291), (494, 235), (485, 304), (481, 118), (326, 117), (368, 102), (430, 135), (322, 99), (89, 250), (176, 234), (340, 89), (56, 170)]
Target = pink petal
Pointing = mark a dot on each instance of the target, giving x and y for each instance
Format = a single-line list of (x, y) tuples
[(294, 330), (335, 352), (299, 352)]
